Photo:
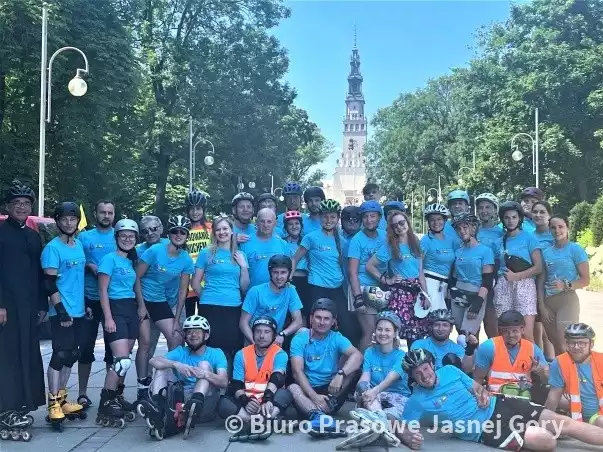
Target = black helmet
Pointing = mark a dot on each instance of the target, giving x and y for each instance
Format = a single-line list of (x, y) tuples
[(511, 318), (532, 192), (264, 320), (265, 196), (325, 304), (441, 315), (350, 212), (65, 209), (314, 192), (579, 331), (19, 190), (280, 261), (414, 358), (195, 198), (510, 205)]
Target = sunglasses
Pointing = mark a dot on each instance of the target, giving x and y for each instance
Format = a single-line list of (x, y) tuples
[(178, 232), (400, 224), (352, 220), (146, 231)]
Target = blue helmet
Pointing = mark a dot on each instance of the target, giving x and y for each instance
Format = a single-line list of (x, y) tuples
[(292, 188), (394, 205), (391, 317), (458, 194), (370, 206)]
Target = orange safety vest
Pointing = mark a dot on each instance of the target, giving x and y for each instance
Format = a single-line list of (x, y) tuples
[(502, 371), (256, 380), (569, 372)]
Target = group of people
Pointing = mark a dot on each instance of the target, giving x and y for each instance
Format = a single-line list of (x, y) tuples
[(305, 309)]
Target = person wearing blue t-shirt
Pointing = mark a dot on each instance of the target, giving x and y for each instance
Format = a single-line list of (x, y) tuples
[(313, 196), (275, 299), (519, 263), (458, 203), (294, 231), (121, 315), (445, 351), (402, 256), (258, 380), (63, 261), (438, 254), (509, 362), (472, 278), (201, 369), (151, 230), (529, 196), (269, 201), (566, 269), (97, 243), (324, 365), (350, 221), (457, 400), (292, 196), (242, 212), (361, 248)]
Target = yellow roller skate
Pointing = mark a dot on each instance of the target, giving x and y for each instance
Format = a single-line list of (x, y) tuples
[(71, 410), (55, 415)]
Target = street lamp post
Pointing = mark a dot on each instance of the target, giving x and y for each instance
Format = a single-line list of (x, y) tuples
[(208, 160), (462, 168), (280, 196), (77, 87), (517, 155)]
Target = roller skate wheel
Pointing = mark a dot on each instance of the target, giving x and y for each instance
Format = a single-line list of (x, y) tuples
[(58, 426), (4, 434), (30, 419), (105, 422), (130, 416), (26, 436), (157, 434), (140, 410), (120, 423), (15, 436), (83, 415), (149, 423)]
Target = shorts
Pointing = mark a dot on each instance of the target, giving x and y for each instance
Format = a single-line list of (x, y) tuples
[(87, 352), (68, 338), (224, 324), (510, 413), (191, 306), (341, 397), (518, 295), (125, 316), (566, 307), (159, 310), (437, 286), (392, 403)]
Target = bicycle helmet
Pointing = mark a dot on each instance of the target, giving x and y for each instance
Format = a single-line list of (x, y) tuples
[(19, 190), (511, 205), (487, 197), (532, 192), (292, 188), (330, 206), (243, 196), (65, 209), (350, 212), (196, 322), (394, 205), (391, 317), (264, 197), (465, 218), (195, 198), (265, 320), (324, 304), (370, 206), (292, 215), (414, 358), (511, 318), (179, 222), (314, 192), (436, 208), (457, 194), (441, 315), (579, 331), (126, 225), (280, 261)]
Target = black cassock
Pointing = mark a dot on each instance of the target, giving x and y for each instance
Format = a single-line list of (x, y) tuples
[(23, 296)]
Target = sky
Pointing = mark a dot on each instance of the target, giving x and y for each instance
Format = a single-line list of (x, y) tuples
[(402, 44)]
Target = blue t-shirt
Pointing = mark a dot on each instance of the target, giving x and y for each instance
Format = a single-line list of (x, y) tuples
[(263, 300), (469, 263), (163, 274), (451, 232), (249, 229), (214, 357), (303, 263), (528, 226), (544, 239), (142, 247), (69, 261), (97, 244), (258, 252), (438, 254), (122, 276), (521, 245), (407, 266), (363, 247), (451, 400), (490, 236), (562, 264), (321, 356), (280, 224), (380, 364), (439, 350), (311, 224), (238, 369), (222, 278), (588, 394), (325, 268), (484, 356)]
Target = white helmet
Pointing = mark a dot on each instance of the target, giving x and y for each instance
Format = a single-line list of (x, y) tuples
[(436, 208), (195, 322), (488, 197), (126, 225)]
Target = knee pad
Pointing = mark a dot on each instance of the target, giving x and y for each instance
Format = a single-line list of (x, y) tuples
[(121, 365), (450, 359), (62, 358), (227, 407), (282, 399)]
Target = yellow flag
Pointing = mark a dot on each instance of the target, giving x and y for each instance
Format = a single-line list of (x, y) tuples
[(83, 222)]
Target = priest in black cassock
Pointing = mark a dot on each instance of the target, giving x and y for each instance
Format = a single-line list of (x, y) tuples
[(23, 304)]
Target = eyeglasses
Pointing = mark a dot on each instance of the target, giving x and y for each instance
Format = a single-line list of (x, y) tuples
[(353, 220), (572, 344), (178, 232), (127, 238), (22, 203), (147, 230)]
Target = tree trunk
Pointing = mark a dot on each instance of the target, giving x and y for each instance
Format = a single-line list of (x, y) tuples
[(163, 167)]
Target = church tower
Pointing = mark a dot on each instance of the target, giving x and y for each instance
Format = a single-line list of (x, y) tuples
[(350, 175)]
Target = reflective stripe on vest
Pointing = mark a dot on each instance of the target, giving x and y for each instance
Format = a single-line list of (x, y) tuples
[(256, 380), (502, 371), (569, 372)]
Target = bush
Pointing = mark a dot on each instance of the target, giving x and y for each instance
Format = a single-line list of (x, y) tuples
[(596, 221), (585, 238), (580, 219)]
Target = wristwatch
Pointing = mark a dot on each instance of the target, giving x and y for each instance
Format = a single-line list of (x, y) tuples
[(341, 372), (282, 334)]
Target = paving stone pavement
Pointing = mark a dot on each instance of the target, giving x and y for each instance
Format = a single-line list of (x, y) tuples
[(86, 436)]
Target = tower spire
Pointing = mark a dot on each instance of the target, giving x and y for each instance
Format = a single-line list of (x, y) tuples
[(355, 30)]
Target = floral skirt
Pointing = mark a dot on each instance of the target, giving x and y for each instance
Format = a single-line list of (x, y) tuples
[(402, 301)]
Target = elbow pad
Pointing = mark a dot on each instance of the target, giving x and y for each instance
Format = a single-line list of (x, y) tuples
[(233, 387), (488, 281), (50, 284), (277, 379)]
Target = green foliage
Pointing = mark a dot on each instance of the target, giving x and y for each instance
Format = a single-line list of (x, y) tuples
[(596, 222), (579, 219), (585, 238)]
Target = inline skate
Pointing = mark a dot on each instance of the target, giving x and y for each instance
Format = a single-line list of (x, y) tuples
[(154, 412), (14, 424), (71, 410), (128, 407), (110, 412), (55, 416)]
